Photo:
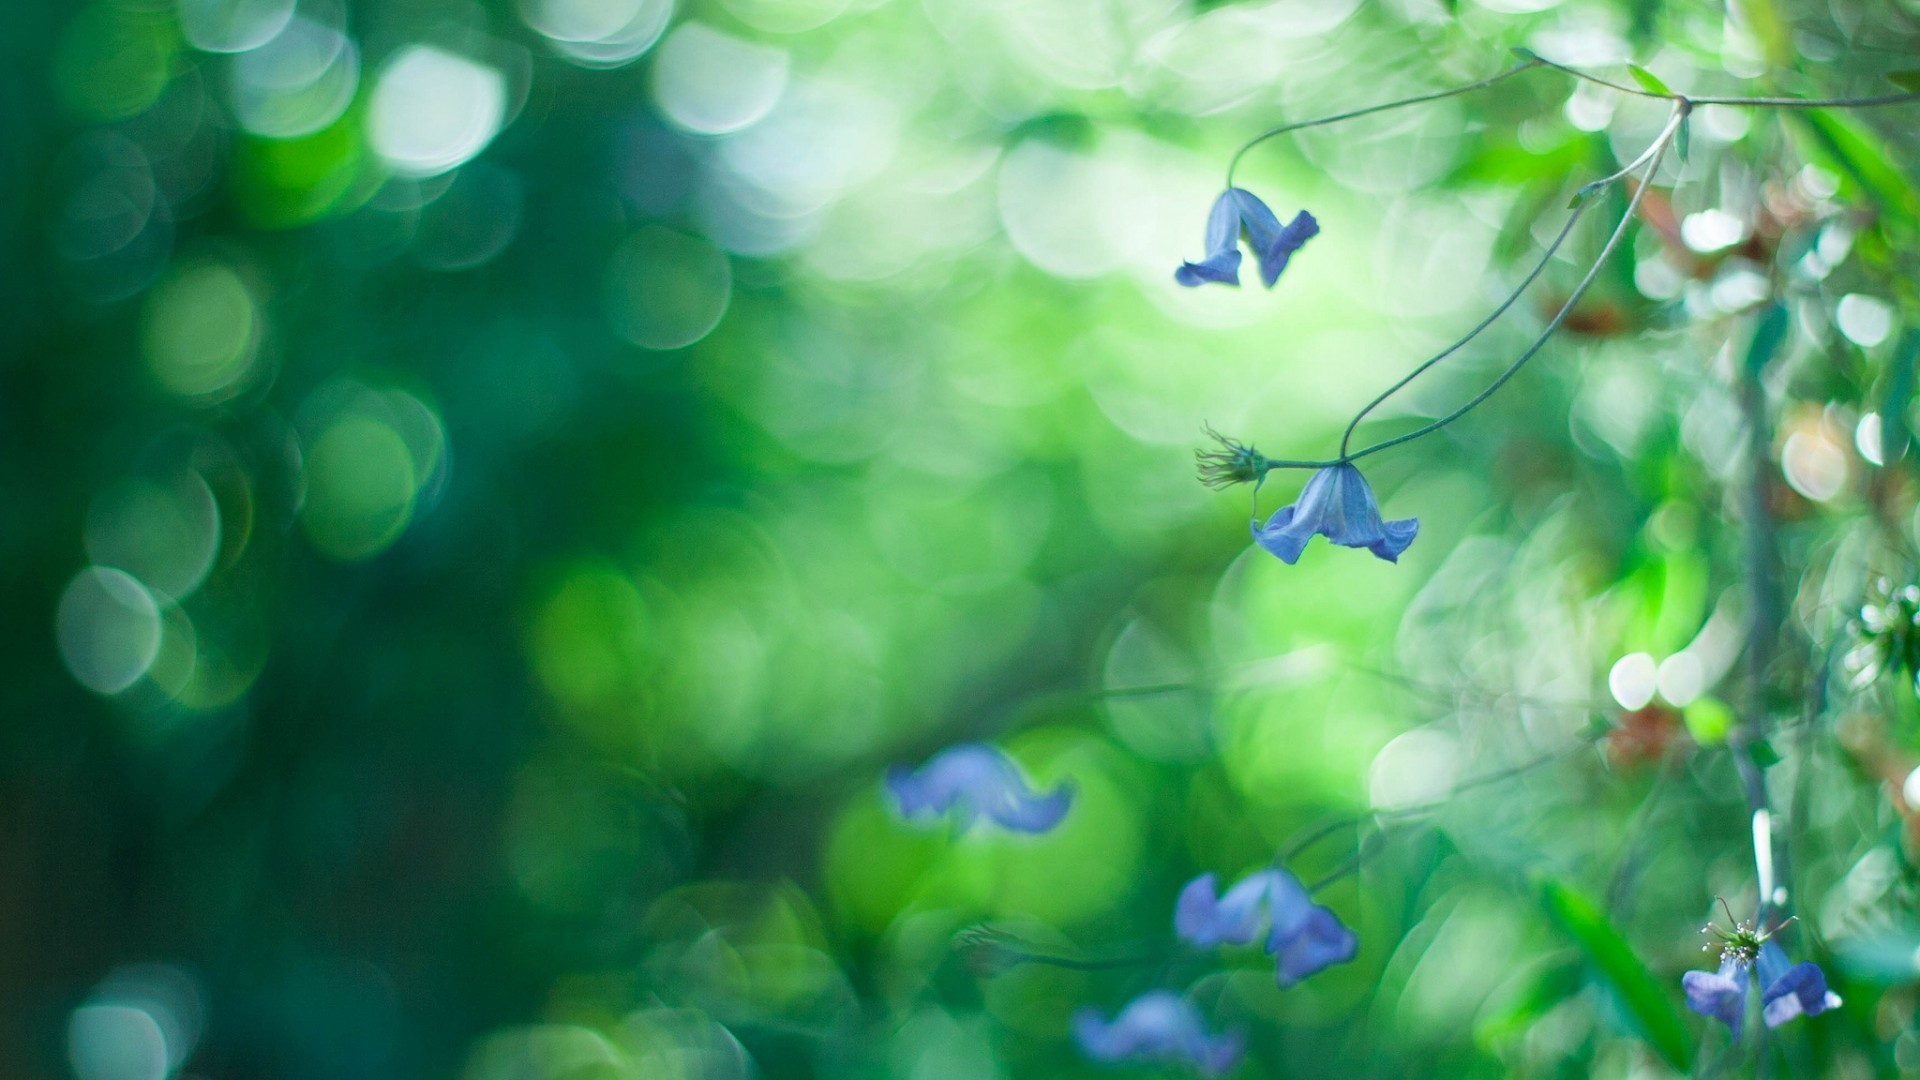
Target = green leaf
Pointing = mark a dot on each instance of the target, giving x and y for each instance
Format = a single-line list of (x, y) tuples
[(1685, 137), (1905, 80), (1648, 80), (1897, 395), (1763, 753), (1767, 338), (1645, 998), (1528, 55), (1849, 147), (1526, 999)]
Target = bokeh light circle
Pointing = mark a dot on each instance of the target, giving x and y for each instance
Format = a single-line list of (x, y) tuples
[(116, 1042), (298, 83), (165, 531), (233, 26), (667, 290), (712, 83), (108, 629), (598, 33), (433, 110), (202, 330), (360, 488)]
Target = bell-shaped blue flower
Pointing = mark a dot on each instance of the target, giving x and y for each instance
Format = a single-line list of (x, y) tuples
[(1273, 244), (1336, 504), (976, 780), (1157, 1026), (1303, 936), (1787, 989)]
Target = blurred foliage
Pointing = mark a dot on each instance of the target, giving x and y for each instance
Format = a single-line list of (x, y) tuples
[(489, 486)]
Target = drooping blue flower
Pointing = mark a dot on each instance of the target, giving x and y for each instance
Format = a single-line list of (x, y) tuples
[(1787, 989), (1273, 244), (1222, 261), (977, 780), (1336, 504), (1157, 1026), (1302, 936)]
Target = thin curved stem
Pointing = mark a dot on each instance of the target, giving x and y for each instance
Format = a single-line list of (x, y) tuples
[(1597, 80), (1659, 150), (1808, 103), (1749, 102), (1566, 230), (1422, 99)]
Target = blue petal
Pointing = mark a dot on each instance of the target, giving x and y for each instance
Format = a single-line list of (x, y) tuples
[(1023, 810), (1221, 267), (1223, 225), (1282, 537), (1201, 919), (1289, 907), (1156, 1026), (1222, 261), (1721, 995), (1352, 517), (1395, 537), (1273, 257), (1322, 942), (1800, 991), (975, 779), (1263, 228)]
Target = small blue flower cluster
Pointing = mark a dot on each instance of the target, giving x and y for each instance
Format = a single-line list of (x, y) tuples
[(1302, 936), (975, 780)]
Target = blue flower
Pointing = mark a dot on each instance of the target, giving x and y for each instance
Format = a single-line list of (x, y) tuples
[(975, 779), (1337, 504), (1157, 1026), (1789, 990), (1273, 244), (1303, 936)]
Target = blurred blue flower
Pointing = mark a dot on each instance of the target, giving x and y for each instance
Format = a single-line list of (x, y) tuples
[(1157, 1026), (1337, 504), (973, 780), (1273, 244), (1303, 936), (1788, 990)]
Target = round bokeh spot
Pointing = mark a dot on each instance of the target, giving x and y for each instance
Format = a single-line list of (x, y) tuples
[(667, 290), (202, 331), (108, 628), (360, 487)]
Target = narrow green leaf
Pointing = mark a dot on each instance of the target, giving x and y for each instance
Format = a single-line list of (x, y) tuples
[(1648, 80), (1763, 753), (1526, 54), (1905, 80), (1846, 145), (1648, 1001), (1767, 338), (1526, 999), (1898, 394), (1685, 137)]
